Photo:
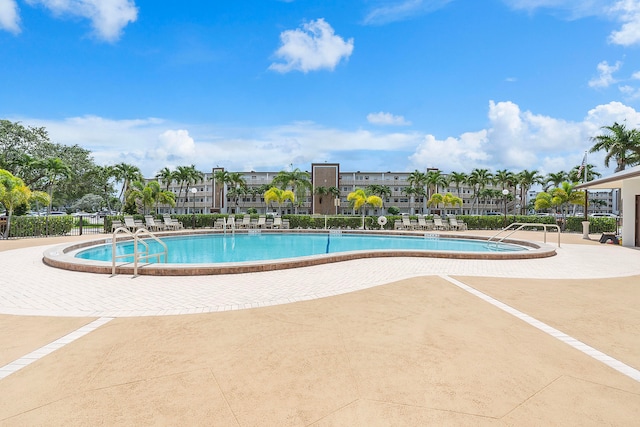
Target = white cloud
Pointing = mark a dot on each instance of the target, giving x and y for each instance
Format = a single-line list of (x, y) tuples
[(313, 47), (9, 18), (513, 139), (382, 118), (108, 17), (387, 11), (628, 12), (605, 77)]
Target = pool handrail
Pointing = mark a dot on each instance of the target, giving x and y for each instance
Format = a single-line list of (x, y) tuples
[(522, 225), (137, 256)]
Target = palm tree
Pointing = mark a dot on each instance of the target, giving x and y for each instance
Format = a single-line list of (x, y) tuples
[(555, 178), (298, 180), (559, 197), (458, 178), (55, 169), (127, 174), (479, 179), (278, 195), (620, 143), (381, 191), (578, 172), (13, 193), (527, 179), (447, 199), (361, 199), (167, 176), (417, 182)]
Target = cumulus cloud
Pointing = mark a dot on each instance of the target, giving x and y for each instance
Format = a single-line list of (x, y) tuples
[(517, 140), (312, 47), (386, 11), (108, 17), (9, 18), (628, 12), (605, 74), (514, 139), (383, 118)]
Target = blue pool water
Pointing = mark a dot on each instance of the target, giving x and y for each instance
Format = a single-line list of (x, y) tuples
[(222, 248)]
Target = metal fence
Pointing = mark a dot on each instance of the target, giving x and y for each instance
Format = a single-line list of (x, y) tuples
[(54, 225)]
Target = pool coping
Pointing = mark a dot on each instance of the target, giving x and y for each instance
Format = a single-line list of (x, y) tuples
[(61, 256)]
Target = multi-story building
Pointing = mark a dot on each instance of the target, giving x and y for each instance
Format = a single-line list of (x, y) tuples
[(211, 196)]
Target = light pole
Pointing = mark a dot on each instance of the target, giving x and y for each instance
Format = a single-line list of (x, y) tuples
[(505, 193), (193, 192), (336, 203)]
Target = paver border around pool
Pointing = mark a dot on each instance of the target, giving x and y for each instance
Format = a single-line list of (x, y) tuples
[(63, 256)]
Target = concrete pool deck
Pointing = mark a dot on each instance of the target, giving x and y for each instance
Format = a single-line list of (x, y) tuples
[(364, 342)]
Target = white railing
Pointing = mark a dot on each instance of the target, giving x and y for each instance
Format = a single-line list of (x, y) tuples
[(137, 254), (520, 226)]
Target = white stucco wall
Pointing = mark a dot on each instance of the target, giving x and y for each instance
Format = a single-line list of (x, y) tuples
[(630, 188)]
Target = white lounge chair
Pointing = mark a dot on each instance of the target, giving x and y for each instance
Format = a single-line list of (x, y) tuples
[(277, 222), (151, 223), (262, 222), (131, 224), (170, 223)]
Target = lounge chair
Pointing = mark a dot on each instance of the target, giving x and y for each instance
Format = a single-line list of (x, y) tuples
[(220, 223), (457, 225), (423, 224), (269, 223), (151, 223), (397, 225), (170, 223), (116, 223), (231, 222), (439, 224), (277, 222), (131, 224), (262, 222), (246, 222), (285, 224), (406, 223)]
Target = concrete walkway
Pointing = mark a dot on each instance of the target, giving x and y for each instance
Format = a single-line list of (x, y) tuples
[(367, 342)]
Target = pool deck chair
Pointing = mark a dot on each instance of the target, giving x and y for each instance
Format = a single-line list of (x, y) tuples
[(130, 223), (262, 222), (246, 222), (457, 225), (406, 223), (439, 224), (277, 222), (151, 223), (219, 224), (171, 224)]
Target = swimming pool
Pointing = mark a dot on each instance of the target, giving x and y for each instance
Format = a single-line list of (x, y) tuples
[(222, 248), (245, 252)]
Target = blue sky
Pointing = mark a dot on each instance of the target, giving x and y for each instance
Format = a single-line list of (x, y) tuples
[(374, 85)]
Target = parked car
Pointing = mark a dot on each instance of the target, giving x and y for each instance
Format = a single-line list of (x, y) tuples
[(603, 215)]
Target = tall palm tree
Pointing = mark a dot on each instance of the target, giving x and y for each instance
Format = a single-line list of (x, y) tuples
[(166, 176), (417, 182), (458, 178), (299, 182), (126, 173), (555, 178), (55, 170), (527, 179), (478, 179), (578, 172), (621, 145)]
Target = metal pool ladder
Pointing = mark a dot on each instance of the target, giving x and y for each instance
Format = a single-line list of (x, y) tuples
[(138, 255), (520, 226)]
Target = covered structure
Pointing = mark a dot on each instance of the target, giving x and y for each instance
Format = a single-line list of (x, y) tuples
[(628, 181)]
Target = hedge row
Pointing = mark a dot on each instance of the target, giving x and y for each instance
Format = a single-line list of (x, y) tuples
[(33, 226)]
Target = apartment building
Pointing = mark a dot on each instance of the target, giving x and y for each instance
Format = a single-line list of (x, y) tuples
[(209, 196)]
